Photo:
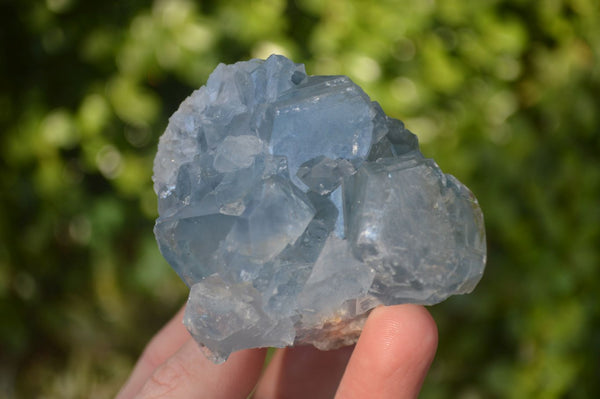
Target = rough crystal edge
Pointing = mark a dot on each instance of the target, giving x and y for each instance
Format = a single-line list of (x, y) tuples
[(353, 325)]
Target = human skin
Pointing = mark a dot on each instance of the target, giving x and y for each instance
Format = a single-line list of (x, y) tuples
[(390, 360)]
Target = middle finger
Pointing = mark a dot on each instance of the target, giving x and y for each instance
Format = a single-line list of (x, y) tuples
[(303, 372)]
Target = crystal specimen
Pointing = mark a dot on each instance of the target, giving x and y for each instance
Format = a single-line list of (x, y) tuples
[(292, 205)]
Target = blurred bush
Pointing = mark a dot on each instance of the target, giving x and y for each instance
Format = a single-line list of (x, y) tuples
[(502, 93)]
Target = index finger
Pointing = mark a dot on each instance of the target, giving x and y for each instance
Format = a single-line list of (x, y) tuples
[(162, 346)]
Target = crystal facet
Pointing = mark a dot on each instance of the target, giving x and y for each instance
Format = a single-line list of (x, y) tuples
[(291, 205)]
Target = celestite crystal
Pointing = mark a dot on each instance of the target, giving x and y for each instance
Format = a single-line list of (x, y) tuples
[(291, 205)]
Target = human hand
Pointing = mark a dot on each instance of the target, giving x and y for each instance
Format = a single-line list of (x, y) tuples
[(390, 360)]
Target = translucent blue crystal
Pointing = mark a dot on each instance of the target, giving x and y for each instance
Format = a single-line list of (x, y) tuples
[(291, 205)]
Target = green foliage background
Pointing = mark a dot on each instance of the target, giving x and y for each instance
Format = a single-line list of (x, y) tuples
[(504, 94)]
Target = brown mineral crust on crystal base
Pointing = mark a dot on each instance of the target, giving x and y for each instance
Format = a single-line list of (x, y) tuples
[(333, 333)]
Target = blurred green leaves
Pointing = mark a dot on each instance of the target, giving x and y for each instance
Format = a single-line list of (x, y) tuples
[(501, 93)]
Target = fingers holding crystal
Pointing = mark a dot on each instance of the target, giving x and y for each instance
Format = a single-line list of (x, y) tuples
[(189, 374), (173, 366), (164, 344), (303, 372), (392, 356)]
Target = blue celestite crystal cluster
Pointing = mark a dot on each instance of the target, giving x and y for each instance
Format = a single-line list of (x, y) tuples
[(291, 205)]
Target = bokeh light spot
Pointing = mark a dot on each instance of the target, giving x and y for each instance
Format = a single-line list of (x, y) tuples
[(365, 68), (80, 229), (500, 106), (109, 161), (58, 129), (24, 285), (58, 6), (265, 49)]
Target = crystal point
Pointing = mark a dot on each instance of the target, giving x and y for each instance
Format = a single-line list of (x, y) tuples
[(292, 205)]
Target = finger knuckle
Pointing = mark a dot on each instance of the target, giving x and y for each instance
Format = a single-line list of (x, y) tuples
[(167, 378)]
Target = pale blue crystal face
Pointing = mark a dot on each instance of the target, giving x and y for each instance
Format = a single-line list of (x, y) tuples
[(291, 205)]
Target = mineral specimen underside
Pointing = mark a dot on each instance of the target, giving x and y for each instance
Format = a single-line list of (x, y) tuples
[(292, 205)]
